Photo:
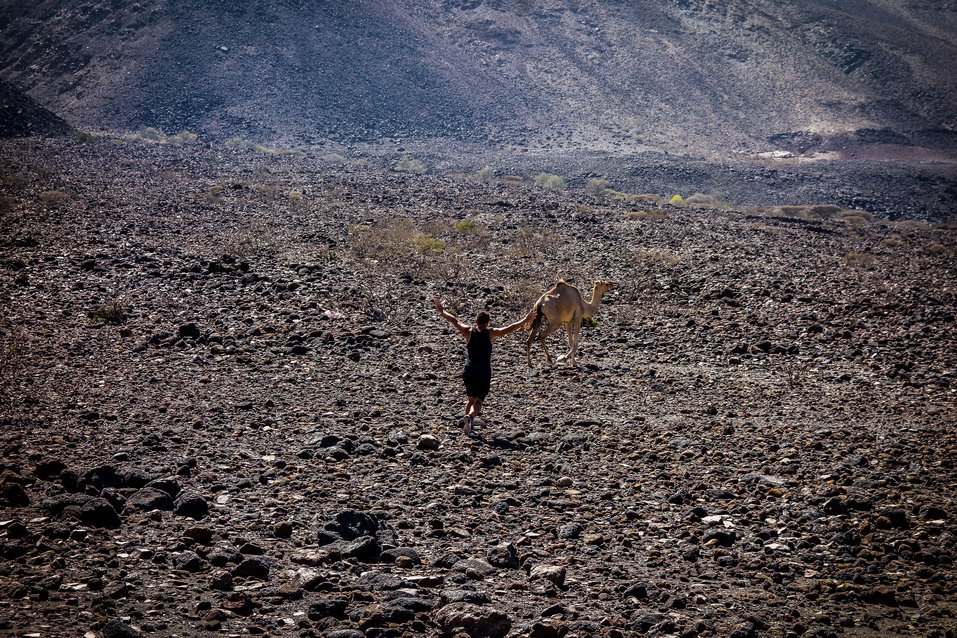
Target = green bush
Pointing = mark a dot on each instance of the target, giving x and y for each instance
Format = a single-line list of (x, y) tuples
[(465, 226), (408, 165), (240, 144), (425, 245), (85, 137), (152, 134), (548, 180), (597, 187), (676, 200), (184, 137)]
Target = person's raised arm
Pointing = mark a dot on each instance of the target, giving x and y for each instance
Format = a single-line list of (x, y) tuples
[(448, 316), (501, 332)]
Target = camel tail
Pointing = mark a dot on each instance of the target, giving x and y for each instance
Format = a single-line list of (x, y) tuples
[(535, 324)]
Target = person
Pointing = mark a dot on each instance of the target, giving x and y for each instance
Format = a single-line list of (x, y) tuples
[(477, 374)]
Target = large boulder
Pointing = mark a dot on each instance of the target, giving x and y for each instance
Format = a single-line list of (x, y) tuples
[(477, 622)]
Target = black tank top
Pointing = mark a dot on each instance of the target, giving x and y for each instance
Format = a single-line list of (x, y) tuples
[(480, 348)]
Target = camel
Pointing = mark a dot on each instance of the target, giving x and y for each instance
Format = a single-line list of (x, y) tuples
[(563, 305)]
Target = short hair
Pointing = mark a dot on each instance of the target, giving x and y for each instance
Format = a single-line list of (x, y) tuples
[(481, 317)]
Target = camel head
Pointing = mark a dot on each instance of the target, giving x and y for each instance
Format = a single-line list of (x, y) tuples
[(601, 286)]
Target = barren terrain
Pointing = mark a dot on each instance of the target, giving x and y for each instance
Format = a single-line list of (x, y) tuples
[(229, 409)]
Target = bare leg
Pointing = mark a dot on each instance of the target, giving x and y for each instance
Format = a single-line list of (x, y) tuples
[(476, 407), (469, 406)]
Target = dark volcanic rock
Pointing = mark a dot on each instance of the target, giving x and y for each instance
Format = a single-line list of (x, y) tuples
[(192, 506), (476, 622), (150, 498), (21, 116)]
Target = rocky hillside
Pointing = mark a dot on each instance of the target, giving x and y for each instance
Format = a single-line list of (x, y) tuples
[(715, 77), (228, 408), (21, 116)]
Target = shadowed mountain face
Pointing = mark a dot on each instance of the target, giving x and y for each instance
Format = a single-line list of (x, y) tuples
[(713, 77), (21, 116)]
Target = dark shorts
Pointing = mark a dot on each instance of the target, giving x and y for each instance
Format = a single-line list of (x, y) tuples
[(477, 382)]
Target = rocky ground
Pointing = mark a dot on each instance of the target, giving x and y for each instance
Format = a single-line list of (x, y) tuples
[(229, 409)]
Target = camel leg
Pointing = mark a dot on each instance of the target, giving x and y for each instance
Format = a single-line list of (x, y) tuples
[(552, 327), (570, 333), (573, 345)]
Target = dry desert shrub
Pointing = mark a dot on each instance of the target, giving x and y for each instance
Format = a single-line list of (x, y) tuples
[(252, 238), (645, 198), (654, 258), (936, 249), (530, 242), (548, 180), (400, 246), (408, 165), (860, 260), (15, 181), (824, 211), (485, 174), (213, 194), (7, 203), (911, 225), (266, 191), (513, 179), (855, 217), (109, 312), (789, 211), (54, 198), (892, 243), (702, 200)]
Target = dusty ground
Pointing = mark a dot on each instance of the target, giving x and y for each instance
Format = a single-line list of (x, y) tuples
[(230, 409)]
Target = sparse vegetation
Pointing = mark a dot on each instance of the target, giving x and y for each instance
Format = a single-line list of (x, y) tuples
[(213, 195), (548, 180), (408, 165), (589, 322), (702, 200), (513, 179), (676, 200), (151, 134), (54, 198), (184, 137), (85, 137), (267, 191), (863, 261), (240, 143), (597, 187), (251, 238), (7, 203), (465, 226), (826, 211), (645, 198), (485, 174), (109, 312)]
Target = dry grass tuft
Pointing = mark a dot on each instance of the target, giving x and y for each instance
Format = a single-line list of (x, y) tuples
[(54, 198), (864, 261)]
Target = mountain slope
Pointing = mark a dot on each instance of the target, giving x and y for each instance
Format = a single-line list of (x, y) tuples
[(717, 76), (21, 116)]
